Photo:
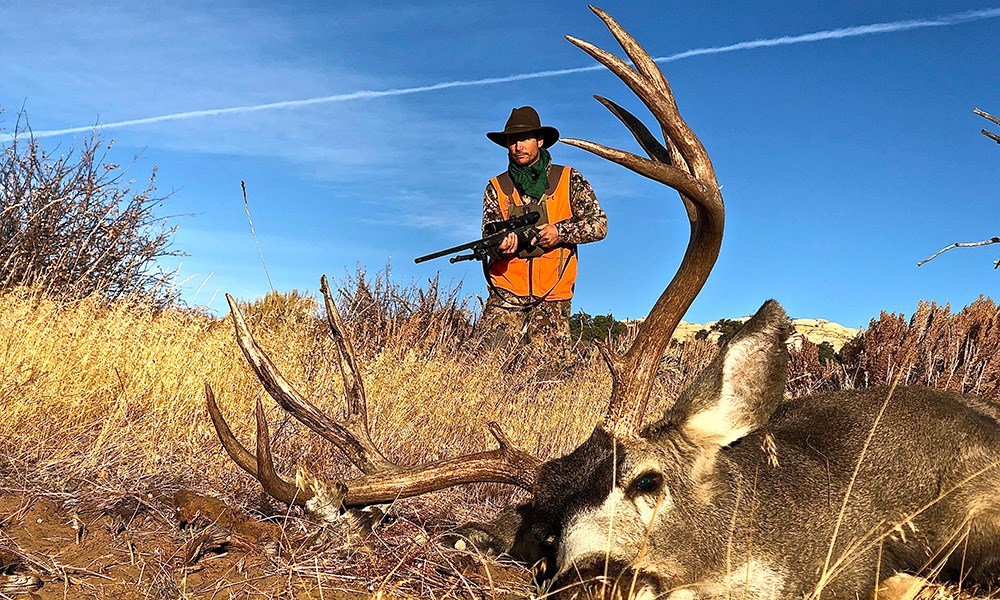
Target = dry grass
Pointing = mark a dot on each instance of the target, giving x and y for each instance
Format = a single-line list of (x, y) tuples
[(102, 403), (106, 402)]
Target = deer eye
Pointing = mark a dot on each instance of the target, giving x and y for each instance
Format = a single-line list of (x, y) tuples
[(648, 483)]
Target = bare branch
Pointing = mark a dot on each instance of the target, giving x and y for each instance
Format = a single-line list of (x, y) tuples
[(988, 117), (991, 135), (992, 240), (73, 224)]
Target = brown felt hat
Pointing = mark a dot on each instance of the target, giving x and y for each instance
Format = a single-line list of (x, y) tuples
[(524, 120)]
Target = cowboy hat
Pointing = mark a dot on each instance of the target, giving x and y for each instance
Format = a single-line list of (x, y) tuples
[(524, 120)]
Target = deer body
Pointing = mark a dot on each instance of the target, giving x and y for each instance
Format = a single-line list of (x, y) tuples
[(742, 494)]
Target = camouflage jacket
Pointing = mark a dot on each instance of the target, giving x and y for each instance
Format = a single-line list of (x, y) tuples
[(589, 223)]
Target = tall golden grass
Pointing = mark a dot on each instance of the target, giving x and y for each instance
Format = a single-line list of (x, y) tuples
[(112, 395), (116, 391)]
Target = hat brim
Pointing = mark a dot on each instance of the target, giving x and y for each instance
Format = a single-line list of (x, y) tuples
[(549, 135)]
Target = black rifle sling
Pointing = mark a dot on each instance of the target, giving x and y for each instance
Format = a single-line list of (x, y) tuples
[(507, 188)]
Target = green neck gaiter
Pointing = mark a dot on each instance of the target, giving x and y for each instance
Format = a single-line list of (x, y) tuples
[(534, 178)]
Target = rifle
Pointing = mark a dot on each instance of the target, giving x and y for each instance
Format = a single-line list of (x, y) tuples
[(523, 226)]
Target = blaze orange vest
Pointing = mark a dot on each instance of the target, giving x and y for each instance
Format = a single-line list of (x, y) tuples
[(552, 275)]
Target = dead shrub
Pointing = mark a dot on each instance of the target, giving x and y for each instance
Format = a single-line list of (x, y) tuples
[(933, 347), (72, 225)]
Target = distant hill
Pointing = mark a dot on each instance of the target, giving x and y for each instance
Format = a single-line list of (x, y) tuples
[(816, 331)]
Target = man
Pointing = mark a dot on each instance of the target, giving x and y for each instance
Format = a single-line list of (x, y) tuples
[(530, 288)]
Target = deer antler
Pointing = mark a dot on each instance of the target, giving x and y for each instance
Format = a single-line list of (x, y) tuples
[(684, 165), (680, 162), (383, 481)]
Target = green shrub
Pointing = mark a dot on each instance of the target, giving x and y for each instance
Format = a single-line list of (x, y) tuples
[(588, 328)]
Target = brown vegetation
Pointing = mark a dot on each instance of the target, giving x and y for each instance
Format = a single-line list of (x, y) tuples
[(933, 347), (104, 422)]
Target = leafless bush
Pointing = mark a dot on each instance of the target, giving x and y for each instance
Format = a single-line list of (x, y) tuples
[(72, 225), (437, 318), (809, 372), (934, 348)]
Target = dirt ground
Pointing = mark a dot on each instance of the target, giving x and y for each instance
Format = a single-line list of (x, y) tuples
[(189, 546)]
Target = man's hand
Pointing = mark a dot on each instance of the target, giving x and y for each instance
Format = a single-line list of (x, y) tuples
[(508, 246), (548, 236)]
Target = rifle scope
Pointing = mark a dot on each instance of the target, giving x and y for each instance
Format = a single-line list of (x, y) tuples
[(524, 220)]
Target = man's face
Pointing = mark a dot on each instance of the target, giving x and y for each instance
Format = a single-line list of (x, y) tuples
[(524, 148)]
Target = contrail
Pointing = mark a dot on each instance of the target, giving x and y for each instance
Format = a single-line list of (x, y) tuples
[(816, 36)]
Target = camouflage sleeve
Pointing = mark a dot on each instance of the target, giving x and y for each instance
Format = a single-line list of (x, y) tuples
[(589, 223), (491, 206)]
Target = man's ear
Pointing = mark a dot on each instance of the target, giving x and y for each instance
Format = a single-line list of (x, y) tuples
[(740, 389)]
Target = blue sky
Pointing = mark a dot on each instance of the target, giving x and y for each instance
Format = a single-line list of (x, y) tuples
[(843, 160)]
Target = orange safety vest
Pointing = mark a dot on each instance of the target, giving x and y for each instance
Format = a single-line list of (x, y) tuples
[(552, 275)]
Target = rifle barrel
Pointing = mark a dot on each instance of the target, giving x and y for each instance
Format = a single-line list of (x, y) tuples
[(440, 253), (490, 241), (486, 241)]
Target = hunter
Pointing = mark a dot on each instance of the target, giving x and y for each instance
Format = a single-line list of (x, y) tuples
[(530, 289)]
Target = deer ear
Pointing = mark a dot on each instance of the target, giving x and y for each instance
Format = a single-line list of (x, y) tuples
[(740, 389)]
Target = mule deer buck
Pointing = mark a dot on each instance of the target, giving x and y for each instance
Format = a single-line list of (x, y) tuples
[(735, 490)]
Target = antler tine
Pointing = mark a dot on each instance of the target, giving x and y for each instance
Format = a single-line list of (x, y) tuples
[(236, 451), (642, 61), (647, 67), (261, 465), (657, 171), (661, 104), (670, 154), (354, 389), (653, 90), (383, 481), (358, 449), (693, 150), (507, 464), (650, 145), (268, 477), (683, 165)]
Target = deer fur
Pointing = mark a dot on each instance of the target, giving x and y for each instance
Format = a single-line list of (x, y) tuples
[(750, 495)]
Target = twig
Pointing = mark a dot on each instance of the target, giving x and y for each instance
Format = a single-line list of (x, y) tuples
[(246, 206), (988, 117), (992, 240), (80, 571)]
